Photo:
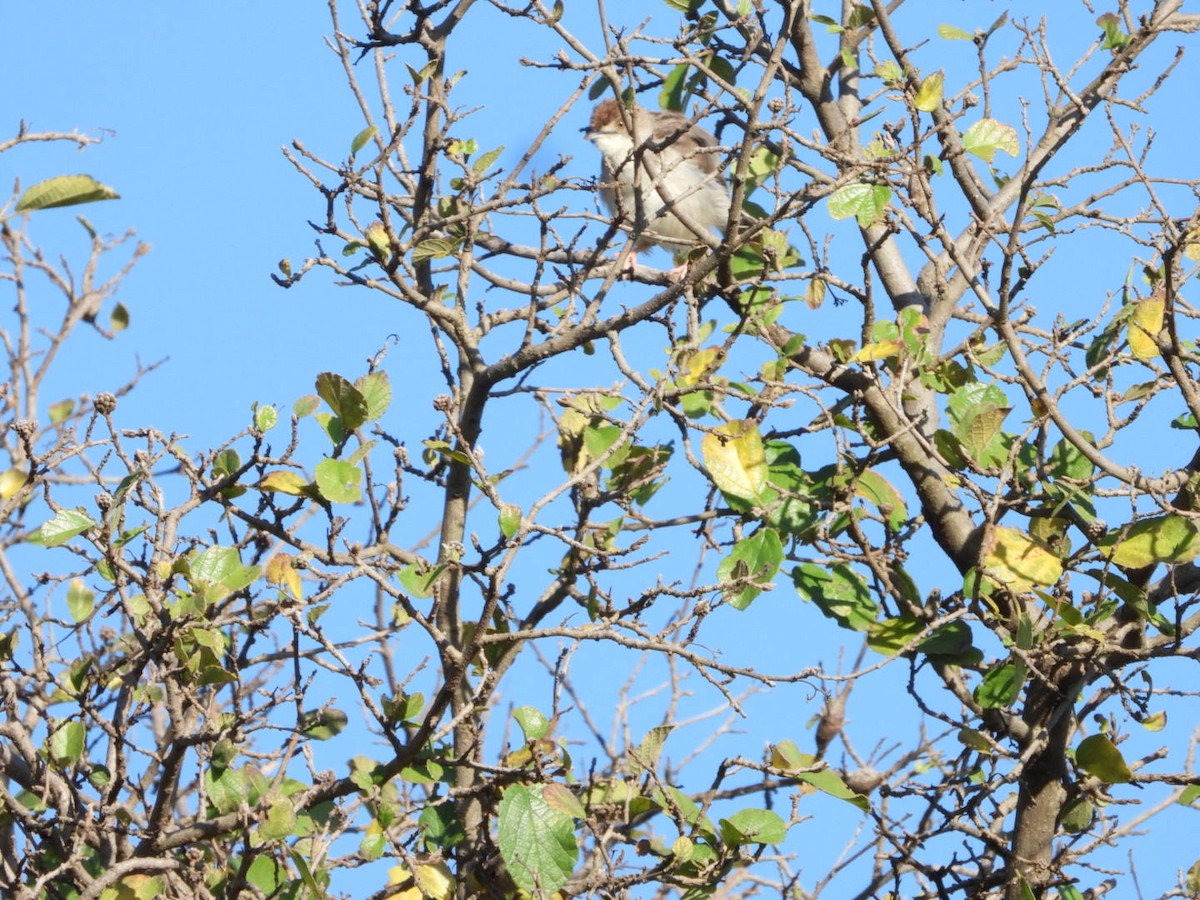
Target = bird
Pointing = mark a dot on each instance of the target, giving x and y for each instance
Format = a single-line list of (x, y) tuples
[(661, 173)]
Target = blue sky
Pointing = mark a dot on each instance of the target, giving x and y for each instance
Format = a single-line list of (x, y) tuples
[(195, 102)]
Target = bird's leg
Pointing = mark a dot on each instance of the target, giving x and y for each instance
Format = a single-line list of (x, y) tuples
[(629, 265)]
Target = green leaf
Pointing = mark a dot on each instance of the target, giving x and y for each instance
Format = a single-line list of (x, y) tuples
[(440, 826), (418, 580), (221, 566), (322, 724), (1189, 795), (975, 740), (376, 392), (807, 768), (8, 644), (987, 136), (118, 319), (64, 190), (876, 489), (66, 524), (306, 406), (1076, 817), (360, 139), (889, 72), (753, 826), (671, 96), (1099, 757), (831, 25), (757, 557), (839, 592), (1114, 38), (332, 426), (645, 756), (280, 821), (533, 722), (510, 519), (866, 202), (404, 707), (265, 418), (67, 743), (363, 451), (209, 675), (99, 777), (1001, 686), (1067, 461), (426, 771), (425, 72), (80, 600), (1169, 539), (860, 15), (434, 248), (679, 806), (682, 850), (976, 412), (599, 439), (952, 644), (537, 841), (267, 875), (952, 33), (226, 463), (683, 6), (346, 401), (374, 842), (559, 797), (227, 788), (637, 474), (484, 161), (890, 636), (339, 481)]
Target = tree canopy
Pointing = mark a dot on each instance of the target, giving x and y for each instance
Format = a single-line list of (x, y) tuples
[(852, 534)]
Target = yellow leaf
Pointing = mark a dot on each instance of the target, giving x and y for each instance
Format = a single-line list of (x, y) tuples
[(1019, 562), (734, 456), (929, 94), (787, 756), (377, 239), (1155, 721), (399, 875), (1099, 756), (138, 886), (436, 881), (878, 350), (281, 570), (11, 481), (1145, 324), (699, 364), (284, 482), (814, 294)]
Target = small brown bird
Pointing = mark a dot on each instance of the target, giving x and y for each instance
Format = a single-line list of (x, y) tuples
[(663, 177)]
